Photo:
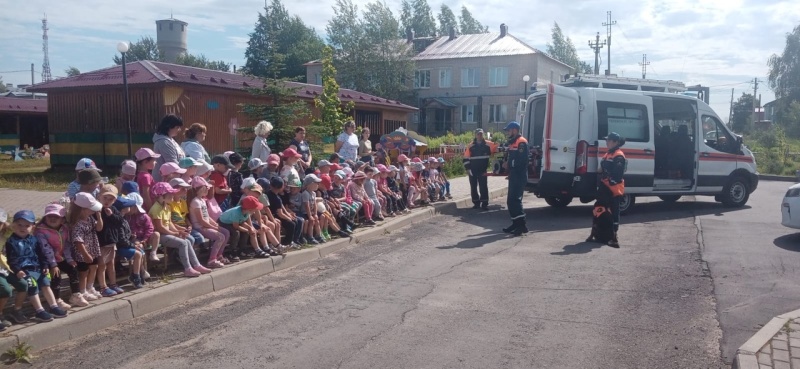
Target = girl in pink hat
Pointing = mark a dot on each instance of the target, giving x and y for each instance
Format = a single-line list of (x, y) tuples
[(357, 192), (54, 236), (170, 235), (209, 228), (145, 162)]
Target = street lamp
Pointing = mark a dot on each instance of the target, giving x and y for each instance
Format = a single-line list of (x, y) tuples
[(525, 79), (123, 47)]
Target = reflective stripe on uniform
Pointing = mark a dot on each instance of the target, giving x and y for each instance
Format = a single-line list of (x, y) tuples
[(480, 157)]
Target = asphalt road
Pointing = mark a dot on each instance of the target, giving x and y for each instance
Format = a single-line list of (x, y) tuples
[(755, 263), (451, 293)]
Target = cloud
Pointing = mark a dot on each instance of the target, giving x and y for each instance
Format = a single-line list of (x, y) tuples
[(239, 42)]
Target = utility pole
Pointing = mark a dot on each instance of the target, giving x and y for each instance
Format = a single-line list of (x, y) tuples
[(596, 46), (730, 113), (644, 65), (608, 23), (755, 93)]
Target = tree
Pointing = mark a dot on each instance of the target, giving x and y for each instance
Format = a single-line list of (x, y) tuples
[(72, 71), (2, 86), (742, 118), (417, 15), (447, 20), (144, 49), (784, 69), (282, 108), (202, 62), (562, 49), (298, 43), (348, 39), (470, 25), (332, 114)]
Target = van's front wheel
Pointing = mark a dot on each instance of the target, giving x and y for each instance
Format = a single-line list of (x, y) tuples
[(736, 193), (559, 201), (626, 203)]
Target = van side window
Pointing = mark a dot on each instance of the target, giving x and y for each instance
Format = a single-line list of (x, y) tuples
[(717, 137), (629, 120)]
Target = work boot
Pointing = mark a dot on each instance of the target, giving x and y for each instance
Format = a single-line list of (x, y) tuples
[(512, 227), (476, 206), (614, 242), (521, 228)]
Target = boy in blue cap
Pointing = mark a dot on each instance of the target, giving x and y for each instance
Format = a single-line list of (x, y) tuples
[(28, 263)]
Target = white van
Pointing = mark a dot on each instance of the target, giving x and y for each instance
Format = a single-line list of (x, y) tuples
[(675, 146)]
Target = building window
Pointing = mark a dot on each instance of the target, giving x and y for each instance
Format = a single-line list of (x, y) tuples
[(170, 26), (318, 79), (470, 77), (629, 120), (445, 77), (498, 77), (498, 113), (422, 79), (468, 113)]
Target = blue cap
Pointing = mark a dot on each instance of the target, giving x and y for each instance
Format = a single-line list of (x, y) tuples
[(124, 202), (25, 214), (512, 125), (130, 187), (276, 182), (264, 183), (613, 136)]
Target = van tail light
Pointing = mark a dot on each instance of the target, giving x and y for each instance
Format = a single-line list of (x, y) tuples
[(581, 157)]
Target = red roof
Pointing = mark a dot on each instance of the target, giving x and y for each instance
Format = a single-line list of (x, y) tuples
[(20, 105), (150, 72)]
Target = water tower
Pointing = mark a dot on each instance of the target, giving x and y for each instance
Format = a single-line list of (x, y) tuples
[(171, 38)]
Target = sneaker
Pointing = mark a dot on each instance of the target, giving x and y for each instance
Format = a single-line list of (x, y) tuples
[(202, 269), (94, 292), (89, 296), (320, 239), (108, 292), (44, 316), (369, 222), (214, 264), (136, 281), (312, 241), (17, 317), (2, 327), (191, 273), (145, 274), (116, 289), (380, 219), (63, 305), (154, 256), (57, 312), (142, 279)]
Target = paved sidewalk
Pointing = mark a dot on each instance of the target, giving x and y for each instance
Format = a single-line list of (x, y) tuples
[(776, 345), (13, 200)]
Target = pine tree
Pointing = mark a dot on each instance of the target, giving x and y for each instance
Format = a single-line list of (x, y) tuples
[(470, 25), (332, 114), (422, 21), (447, 20), (282, 108)]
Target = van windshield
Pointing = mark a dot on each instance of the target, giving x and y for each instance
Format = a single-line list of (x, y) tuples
[(536, 116)]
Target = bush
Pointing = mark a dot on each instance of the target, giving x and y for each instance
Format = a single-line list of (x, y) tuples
[(454, 168)]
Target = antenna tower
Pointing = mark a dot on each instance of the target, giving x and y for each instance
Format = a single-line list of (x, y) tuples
[(46, 76)]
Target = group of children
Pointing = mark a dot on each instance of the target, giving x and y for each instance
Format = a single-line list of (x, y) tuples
[(277, 207)]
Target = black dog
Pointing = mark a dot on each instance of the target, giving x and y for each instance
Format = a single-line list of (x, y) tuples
[(602, 221)]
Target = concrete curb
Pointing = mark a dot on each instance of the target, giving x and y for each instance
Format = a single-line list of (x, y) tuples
[(149, 300), (746, 354), (770, 177)]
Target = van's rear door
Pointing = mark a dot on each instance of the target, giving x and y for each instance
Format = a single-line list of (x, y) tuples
[(561, 129), (630, 115)]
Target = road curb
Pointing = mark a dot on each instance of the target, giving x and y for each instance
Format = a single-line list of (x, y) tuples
[(149, 300), (770, 177), (746, 354)]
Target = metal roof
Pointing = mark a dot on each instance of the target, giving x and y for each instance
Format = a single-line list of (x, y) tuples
[(153, 72), (20, 105), (475, 46)]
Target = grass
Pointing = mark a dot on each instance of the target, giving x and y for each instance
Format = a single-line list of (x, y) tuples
[(20, 353), (33, 174), (775, 152)]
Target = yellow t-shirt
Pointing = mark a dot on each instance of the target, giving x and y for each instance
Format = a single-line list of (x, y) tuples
[(161, 213), (180, 212)]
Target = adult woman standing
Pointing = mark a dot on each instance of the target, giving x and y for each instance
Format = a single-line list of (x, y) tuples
[(301, 145), (347, 143), (365, 147), (193, 147), (165, 145), (260, 148), (612, 168)]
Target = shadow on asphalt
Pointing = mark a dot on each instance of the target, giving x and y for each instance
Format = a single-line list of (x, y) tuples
[(790, 242), (579, 216), (472, 243), (579, 248)]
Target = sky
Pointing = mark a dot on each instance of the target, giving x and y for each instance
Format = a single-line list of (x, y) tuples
[(723, 44)]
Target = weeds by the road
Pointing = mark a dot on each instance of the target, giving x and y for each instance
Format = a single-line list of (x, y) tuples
[(33, 174), (20, 353)]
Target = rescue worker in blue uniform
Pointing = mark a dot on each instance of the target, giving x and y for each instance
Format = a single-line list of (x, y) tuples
[(476, 162), (517, 168), (612, 169)]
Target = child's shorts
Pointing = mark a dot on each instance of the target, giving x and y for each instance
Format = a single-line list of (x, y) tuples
[(39, 279), (9, 283), (107, 254), (127, 253), (84, 266)]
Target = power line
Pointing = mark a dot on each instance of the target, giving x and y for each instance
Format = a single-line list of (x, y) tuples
[(608, 24), (16, 71), (644, 65), (596, 46)]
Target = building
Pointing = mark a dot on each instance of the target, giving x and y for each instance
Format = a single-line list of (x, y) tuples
[(87, 111), (23, 122), (171, 35)]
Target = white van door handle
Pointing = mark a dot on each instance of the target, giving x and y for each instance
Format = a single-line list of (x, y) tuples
[(706, 154), (553, 148), (648, 151)]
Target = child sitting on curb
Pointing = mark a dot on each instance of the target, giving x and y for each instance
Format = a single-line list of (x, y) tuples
[(145, 162), (237, 221), (219, 180), (53, 234), (266, 234), (85, 221), (308, 209), (356, 190), (141, 225), (290, 222), (127, 247), (5, 271), (170, 235), (201, 221), (179, 208)]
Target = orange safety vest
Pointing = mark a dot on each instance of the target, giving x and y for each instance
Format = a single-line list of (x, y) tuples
[(619, 188)]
